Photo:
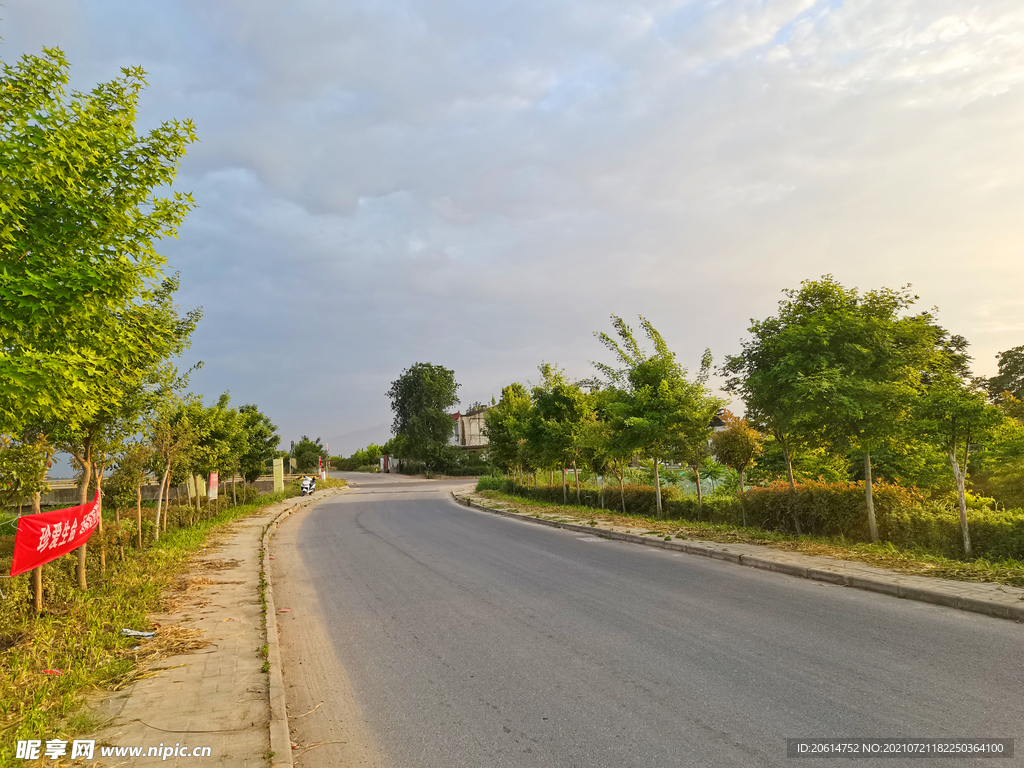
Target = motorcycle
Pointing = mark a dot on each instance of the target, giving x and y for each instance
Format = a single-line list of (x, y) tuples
[(308, 486)]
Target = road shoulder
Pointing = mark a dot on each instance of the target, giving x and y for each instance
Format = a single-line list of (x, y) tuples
[(323, 736)]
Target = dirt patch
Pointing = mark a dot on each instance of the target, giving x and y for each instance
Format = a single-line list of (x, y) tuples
[(324, 718)]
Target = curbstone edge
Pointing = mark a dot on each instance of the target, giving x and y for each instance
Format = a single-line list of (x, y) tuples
[(280, 737), (935, 597)]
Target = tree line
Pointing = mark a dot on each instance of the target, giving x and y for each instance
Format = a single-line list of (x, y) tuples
[(853, 385), (88, 325)]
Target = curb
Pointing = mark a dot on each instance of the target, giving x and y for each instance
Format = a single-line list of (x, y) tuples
[(280, 737), (935, 597)]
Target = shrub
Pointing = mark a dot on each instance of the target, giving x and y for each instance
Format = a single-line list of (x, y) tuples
[(491, 483), (824, 509), (995, 534)]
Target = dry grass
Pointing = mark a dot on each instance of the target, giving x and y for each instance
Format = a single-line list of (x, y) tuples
[(79, 634)]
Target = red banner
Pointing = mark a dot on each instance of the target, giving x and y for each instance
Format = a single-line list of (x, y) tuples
[(48, 535)]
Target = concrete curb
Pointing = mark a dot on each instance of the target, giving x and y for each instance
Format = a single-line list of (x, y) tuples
[(280, 737), (936, 597)]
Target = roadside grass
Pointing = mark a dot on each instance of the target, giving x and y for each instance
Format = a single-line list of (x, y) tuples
[(882, 555), (50, 661)]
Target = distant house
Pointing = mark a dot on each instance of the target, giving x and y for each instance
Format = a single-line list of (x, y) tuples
[(468, 429)]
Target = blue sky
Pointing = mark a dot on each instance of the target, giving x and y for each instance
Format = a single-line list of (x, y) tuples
[(480, 185)]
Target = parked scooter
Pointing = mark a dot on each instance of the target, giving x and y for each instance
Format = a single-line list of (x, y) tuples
[(308, 486)]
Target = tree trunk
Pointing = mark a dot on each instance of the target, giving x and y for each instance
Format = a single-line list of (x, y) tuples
[(961, 492), (872, 526), (576, 474), (743, 506), (234, 496), (565, 491), (159, 501), (792, 491), (700, 494), (99, 528), (551, 478), (37, 573), (86, 461), (138, 516), (167, 502), (117, 523), (600, 480), (622, 489), (657, 488)]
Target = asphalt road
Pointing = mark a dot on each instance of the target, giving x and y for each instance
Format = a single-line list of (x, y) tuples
[(475, 640)]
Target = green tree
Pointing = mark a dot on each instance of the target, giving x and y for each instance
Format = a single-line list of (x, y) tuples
[(556, 433), (23, 467), (306, 453), (662, 414), (131, 466), (420, 399), (837, 366), (79, 220), (175, 427), (737, 446), (260, 443), (1010, 378), (506, 425), (953, 414)]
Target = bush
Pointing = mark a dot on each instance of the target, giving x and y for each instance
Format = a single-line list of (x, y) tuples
[(824, 509), (491, 483), (995, 534)]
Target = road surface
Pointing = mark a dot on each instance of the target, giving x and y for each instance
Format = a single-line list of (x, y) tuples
[(439, 636)]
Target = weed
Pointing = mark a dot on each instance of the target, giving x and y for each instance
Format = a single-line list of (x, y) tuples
[(265, 667), (80, 635)]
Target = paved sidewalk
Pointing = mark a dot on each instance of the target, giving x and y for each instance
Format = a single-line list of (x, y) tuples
[(217, 696), (992, 599)]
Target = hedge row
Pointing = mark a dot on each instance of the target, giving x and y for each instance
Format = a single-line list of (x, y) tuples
[(825, 509)]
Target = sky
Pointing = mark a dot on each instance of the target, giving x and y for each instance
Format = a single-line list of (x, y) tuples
[(480, 185)]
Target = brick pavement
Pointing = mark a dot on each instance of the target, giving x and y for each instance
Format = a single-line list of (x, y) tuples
[(217, 696)]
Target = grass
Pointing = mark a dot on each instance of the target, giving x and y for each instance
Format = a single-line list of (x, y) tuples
[(882, 554), (75, 646)]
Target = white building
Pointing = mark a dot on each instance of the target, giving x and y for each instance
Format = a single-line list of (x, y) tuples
[(468, 431)]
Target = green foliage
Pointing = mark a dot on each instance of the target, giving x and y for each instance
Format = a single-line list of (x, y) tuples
[(556, 429), (259, 444), (23, 466), (737, 445), (660, 412), (491, 483), (307, 453), (506, 426), (935, 528), (83, 307), (421, 398), (1010, 378)]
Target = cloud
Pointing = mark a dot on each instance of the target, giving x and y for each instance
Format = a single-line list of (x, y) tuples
[(480, 184)]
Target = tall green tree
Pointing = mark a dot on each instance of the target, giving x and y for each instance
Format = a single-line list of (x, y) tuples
[(506, 425), (1010, 378), (307, 452), (79, 220), (663, 414), (839, 367), (559, 421), (260, 442), (420, 399), (953, 413), (737, 446)]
